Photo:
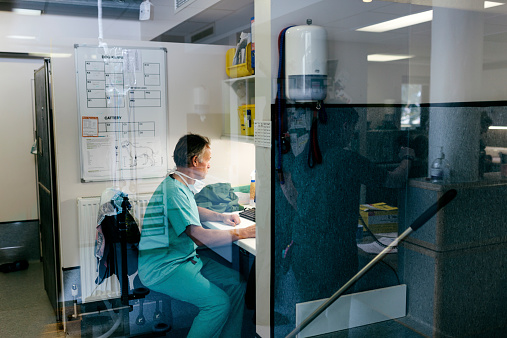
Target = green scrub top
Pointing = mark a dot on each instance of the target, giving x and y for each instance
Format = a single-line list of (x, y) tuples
[(157, 263)]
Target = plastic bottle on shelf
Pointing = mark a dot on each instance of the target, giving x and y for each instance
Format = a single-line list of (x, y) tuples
[(440, 170), (252, 188), (252, 31)]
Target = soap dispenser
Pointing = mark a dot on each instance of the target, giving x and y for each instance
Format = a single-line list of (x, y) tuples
[(440, 170)]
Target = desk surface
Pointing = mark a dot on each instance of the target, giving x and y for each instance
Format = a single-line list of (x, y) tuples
[(248, 243)]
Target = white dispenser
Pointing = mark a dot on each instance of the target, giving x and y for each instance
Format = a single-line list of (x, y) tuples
[(306, 63)]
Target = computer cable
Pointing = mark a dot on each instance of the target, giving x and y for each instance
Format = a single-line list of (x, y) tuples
[(382, 245), (372, 235)]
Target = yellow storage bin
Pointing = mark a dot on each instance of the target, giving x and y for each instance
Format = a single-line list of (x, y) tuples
[(243, 69), (246, 114)]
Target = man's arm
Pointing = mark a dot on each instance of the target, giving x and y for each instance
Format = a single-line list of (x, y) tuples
[(397, 177), (213, 237), (207, 215)]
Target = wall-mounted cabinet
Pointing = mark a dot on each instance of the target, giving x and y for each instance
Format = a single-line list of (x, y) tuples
[(238, 108)]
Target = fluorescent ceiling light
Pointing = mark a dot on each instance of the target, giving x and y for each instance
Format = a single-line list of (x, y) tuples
[(23, 11), (498, 127), (387, 57), (410, 20), (489, 4), (21, 37), (404, 21)]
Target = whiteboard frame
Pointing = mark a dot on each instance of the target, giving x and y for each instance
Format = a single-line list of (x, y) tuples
[(125, 147)]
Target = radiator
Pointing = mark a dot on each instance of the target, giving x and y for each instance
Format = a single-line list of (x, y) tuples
[(87, 210)]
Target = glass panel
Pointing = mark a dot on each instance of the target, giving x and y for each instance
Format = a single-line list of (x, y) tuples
[(407, 117), (186, 258)]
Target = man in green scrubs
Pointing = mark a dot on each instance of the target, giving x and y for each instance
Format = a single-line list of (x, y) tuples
[(169, 264)]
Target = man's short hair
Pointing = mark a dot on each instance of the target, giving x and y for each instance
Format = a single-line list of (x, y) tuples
[(486, 121), (188, 146)]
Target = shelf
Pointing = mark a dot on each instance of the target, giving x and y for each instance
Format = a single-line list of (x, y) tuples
[(238, 138), (244, 78), (237, 92)]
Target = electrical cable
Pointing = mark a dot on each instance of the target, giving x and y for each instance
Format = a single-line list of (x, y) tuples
[(382, 245), (372, 235), (101, 35), (394, 271), (280, 100)]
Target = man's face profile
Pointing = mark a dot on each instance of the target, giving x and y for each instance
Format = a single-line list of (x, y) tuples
[(201, 168)]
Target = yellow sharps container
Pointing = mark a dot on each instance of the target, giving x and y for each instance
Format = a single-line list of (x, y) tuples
[(246, 114)]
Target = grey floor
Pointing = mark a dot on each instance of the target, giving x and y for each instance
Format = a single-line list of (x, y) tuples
[(25, 310)]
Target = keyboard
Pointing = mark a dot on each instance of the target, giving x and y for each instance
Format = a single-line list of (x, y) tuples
[(248, 214)]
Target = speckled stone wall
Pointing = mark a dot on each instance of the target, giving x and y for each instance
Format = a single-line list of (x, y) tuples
[(455, 266)]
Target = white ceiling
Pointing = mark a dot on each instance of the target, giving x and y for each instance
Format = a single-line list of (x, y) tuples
[(112, 9), (340, 18)]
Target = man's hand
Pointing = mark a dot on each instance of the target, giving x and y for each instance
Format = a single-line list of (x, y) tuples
[(405, 151), (249, 232), (230, 219), (242, 233)]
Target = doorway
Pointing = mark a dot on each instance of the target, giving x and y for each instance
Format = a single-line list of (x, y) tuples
[(26, 229)]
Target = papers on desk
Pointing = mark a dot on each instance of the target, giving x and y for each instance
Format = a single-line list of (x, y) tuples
[(375, 248)]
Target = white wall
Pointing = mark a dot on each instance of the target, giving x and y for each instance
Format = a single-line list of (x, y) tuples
[(384, 81), (493, 84), (18, 201)]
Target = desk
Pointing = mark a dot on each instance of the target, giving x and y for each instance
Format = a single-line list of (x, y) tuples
[(225, 251)]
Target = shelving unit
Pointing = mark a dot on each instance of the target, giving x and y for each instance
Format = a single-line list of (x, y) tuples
[(236, 92)]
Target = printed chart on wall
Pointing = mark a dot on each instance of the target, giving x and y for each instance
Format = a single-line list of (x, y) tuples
[(122, 112)]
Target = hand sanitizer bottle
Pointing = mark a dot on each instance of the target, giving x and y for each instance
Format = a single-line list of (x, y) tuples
[(440, 169), (252, 188)]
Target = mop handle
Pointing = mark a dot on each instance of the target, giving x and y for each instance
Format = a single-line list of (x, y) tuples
[(423, 218)]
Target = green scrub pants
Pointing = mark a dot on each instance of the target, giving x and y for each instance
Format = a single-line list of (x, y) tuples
[(215, 289)]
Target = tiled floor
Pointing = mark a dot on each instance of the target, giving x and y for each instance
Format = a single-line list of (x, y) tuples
[(25, 310)]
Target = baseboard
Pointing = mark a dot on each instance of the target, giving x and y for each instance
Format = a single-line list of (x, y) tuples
[(354, 310)]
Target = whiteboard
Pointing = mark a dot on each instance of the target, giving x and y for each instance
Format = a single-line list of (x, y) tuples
[(122, 107)]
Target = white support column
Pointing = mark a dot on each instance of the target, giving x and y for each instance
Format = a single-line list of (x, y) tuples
[(263, 99), (456, 71)]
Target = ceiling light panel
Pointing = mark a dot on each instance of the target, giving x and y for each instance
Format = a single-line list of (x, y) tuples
[(21, 37), (22, 11), (387, 57), (404, 21), (490, 4)]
